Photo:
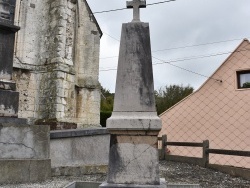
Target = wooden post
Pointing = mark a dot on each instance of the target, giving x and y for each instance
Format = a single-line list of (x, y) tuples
[(163, 147), (158, 144), (205, 155)]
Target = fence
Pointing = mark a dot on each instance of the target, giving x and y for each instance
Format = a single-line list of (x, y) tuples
[(204, 160)]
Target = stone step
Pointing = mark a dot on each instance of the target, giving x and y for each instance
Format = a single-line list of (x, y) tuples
[(183, 186), (96, 185)]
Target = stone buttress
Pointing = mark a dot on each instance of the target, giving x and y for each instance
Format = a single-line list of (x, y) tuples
[(56, 63)]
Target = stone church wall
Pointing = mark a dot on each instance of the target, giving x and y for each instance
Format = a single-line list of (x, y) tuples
[(56, 63)]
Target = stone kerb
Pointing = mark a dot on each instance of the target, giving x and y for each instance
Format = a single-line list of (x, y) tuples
[(108, 185)]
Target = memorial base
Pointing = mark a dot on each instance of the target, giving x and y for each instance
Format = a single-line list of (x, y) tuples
[(133, 158)]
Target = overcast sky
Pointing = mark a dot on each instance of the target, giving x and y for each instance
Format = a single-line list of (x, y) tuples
[(173, 25)]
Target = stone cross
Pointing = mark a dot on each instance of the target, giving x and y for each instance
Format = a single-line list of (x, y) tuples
[(136, 5)]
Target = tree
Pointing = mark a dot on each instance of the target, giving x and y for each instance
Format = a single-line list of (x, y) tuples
[(170, 95), (246, 85), (107, 102), (165, 98)]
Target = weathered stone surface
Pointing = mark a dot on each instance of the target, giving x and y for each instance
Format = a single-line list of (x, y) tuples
[(68, 148), (9, 99), (134, 121), (79, 171), (9, 103), (83, 185), (136, 5), (24, 170), (7, 11), (183, 186), (134, 84), (57, 63), (78, 133), (10, 120), (110, 185), (134, 124), (4, 85), (24, 141), (7, 38), (24, 152), (106, 185), (56, 124), (133, 160)]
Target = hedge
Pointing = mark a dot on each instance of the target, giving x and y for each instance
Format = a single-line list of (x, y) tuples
[(103, 118)]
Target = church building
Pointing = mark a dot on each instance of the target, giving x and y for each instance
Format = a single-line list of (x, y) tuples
[(56, 63)]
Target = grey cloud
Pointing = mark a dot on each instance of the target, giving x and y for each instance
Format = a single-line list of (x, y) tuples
[(180, 23)]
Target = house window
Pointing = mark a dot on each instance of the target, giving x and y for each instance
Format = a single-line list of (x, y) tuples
[(243, 78)]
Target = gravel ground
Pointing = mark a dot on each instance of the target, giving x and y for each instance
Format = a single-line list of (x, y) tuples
[(190, 174), (174, 172)]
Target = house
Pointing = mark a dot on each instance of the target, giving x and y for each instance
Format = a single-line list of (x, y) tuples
[(56, 63), (219, 111)]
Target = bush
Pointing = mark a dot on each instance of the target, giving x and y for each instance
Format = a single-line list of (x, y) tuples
[(246, 85), (103, 117)]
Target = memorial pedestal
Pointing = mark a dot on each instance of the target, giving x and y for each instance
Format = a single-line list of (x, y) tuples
[(133, 158), (134, 124)]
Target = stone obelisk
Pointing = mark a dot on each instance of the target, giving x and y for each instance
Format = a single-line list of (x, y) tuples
[(134, 124)]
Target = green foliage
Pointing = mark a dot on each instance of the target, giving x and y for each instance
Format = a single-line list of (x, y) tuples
[(246, 85), (170, 95), (107, 102), (165, 98), (103, 118)]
